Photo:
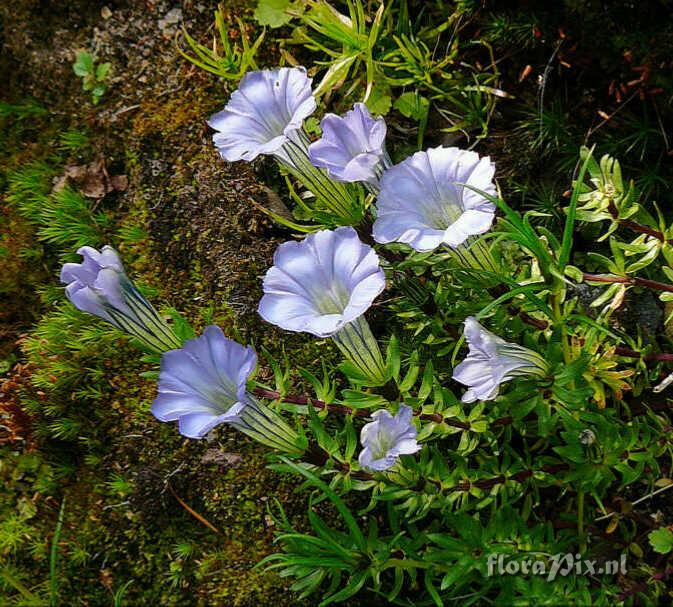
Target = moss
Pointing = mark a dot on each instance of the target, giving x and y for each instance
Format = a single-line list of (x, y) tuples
[(134, 525), (189, 234), (18, 277), (167, 117)]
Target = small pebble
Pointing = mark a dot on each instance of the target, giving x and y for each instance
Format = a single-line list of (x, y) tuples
[(172, 17)]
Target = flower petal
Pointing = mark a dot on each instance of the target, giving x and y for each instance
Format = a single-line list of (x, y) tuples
[(262, 113), (471, 222), (197, 425), (204, 381), (351, 146), (319, 284), (423, 200)]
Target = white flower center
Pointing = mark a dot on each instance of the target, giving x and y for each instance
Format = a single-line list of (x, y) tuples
[(331, 300), (440, 213), (381, 445)]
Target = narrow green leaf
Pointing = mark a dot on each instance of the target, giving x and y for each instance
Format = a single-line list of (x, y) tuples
[(567, 240)]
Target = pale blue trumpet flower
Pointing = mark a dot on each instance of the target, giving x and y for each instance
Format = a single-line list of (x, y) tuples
[(323, 285), (203, 385), (386, 438), (492, 361), (264, 114), (427, 200), (99, 285), (352, 147)]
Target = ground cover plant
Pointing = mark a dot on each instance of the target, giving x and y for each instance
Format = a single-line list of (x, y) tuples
[(442, 374)]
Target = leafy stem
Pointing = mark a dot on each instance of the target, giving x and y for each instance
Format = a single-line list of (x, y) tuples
[(627, 280)]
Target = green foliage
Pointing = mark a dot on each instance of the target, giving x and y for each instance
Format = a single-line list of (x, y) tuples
[(118, 597), (347, 40), (20, 532), (30, 187), (74, 140), (514, 30), (275, 13), (224, 59), (68, 353), (374, 56), (53, 575), (94, 77), (608, 197), (64, 219), (326, 556), (482, 483), (68, 221), (21, 111), (119, 486), (661, 540), (548, 127)]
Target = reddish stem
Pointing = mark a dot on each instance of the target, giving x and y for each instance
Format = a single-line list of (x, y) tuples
[(620, 350), (606, 278), (628, 352), (319, 404), (642, 587), (519, 477), (528, 319), (639, 227), (304, 400), (635, 226), (653, 284), (625, 280)]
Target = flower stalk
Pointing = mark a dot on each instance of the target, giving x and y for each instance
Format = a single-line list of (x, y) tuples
[(634, 226), (144, 323), (334, 196), (626, 280), (267, 427), (475, 254)]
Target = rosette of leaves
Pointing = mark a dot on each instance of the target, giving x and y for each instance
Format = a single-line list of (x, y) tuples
[(94, 77)]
